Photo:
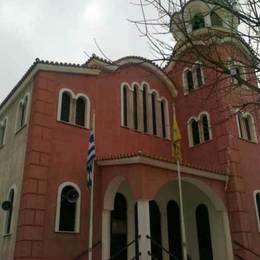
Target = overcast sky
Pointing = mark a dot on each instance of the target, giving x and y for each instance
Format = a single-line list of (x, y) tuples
[(63, 30)]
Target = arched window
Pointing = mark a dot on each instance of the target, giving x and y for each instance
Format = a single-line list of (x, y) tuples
[(199, 76), (174, 230), (9, 212), (65, 107), (68, 208), (163, 118), (199, 129), (189, 80), (257, 207), (195, 132), (205, 127), (154, 100), (80, 111), (125, 109), (246, 126), (135, 107), (237, 72), (22, 109), (118, 229), (145, 108), (3, 126), (198, 22), (155, 227), (203, 233), (215, 19)]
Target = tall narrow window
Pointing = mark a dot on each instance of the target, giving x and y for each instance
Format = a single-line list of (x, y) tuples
[(69, 200), (198, 70), (135, 107), (145, 108), (198, 22), (155, 227), (80, 111), (163, 118), (257, 204), (154, 113), (9, 212), (136, 233), (22, 118), (215, 19), (125, 109), (2, 131), (246, 126), (65, 107), (240, 124), (205, 127), (195, 132), (203, 233), (118, 239), (174, 230), (22, 109), (189, 79)]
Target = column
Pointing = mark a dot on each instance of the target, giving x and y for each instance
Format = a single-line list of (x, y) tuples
[(144, 229), (106, 216), (164, 227), (228, 239)]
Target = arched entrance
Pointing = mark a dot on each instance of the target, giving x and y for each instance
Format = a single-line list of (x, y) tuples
[(118, 221), (206, 221), (118, 229)]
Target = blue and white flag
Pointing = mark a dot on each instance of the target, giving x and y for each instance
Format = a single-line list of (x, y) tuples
[(91, 158)]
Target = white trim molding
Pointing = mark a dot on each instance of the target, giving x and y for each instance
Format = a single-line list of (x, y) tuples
[(22, 107), (14, 189), (3, 131), (73, 108), (257, 208), (139, 159), (78, 206)]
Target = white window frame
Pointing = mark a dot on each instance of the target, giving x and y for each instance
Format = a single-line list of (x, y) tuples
[(4, 123), (72, 96), (78, 207), (232, 67), (185, 81), (256, 209), (201, 126), (252, 126), (166, 117), (87, 108), (21, 102), (123, 84), (72, 116), (13, 187), (189, 128), (194, 72), (198, 119)]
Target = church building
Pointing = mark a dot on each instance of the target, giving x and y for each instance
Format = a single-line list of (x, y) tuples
[(45, 125)]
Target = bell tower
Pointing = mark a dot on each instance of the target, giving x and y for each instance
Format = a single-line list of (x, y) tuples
[(212, 66), (198, 18)]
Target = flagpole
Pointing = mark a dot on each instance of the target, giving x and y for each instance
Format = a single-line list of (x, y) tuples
[(90, 243), (177, 155), (183, 231)]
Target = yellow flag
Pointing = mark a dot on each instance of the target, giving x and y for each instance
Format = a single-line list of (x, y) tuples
[(176, 140)]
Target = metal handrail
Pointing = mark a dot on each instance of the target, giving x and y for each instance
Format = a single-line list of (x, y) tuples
[(163, 249), (86, 251), (124, 248), (249, 250)]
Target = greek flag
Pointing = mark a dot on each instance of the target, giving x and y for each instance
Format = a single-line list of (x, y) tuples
[(91, 158)]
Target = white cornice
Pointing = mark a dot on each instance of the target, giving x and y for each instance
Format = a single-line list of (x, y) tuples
[(51, 68), (162, 164)]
